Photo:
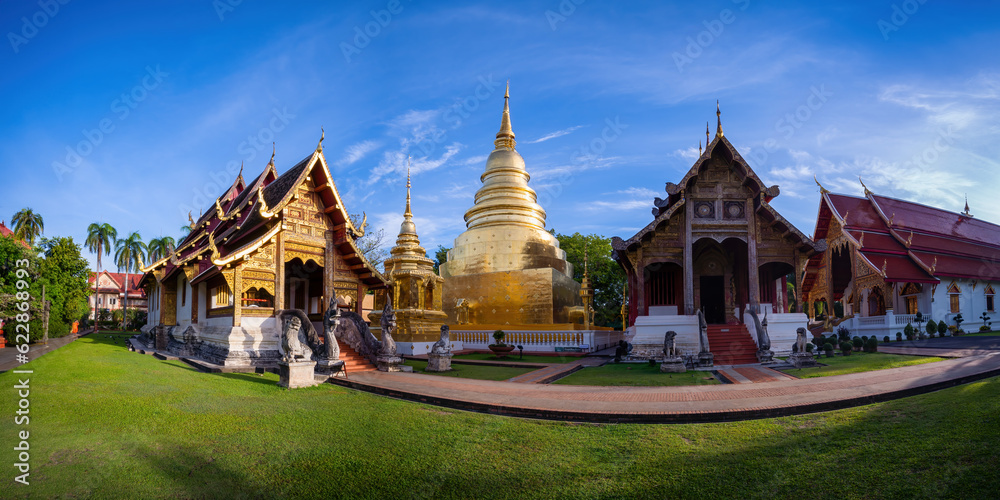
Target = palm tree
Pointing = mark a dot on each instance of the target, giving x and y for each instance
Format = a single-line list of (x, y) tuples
[(27, 225), (159, 248), (129, 254), (100, 237)]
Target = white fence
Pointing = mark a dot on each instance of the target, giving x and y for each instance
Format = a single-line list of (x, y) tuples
[(542, 341)]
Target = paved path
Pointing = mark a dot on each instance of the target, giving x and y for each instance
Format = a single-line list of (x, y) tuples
[(677, 404), (752, 374), (8, 355), (556, 371)]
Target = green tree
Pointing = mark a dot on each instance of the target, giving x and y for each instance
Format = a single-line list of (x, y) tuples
[(605, 275), (440, 257), (100, 238), (64, 272), (129, 254), (12, 251), (27, 225), (160, 247), (372, 244)]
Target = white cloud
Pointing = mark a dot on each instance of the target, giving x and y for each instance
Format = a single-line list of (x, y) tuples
[(553, 135), (357, 151), (690, 153)]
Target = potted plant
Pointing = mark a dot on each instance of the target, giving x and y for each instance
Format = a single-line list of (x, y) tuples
[(499, 348), (828, 348), (845, 348)]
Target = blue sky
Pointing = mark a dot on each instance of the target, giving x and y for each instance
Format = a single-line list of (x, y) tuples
[(133, 113)]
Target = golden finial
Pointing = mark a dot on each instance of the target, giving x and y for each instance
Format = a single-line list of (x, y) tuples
[(861, 241), (867, 192), (699, 148), (322, 134), (407, 212), (190, 219), (847, 213), (274, 148), (909, 241), (966, 213), (241, 171), (892, 218), (934, 265), (505, 137), (885, 264), (822, 190), (718, 116), (706, 135)]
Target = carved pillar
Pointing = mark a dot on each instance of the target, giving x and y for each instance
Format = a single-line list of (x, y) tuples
[(279, 272), (752, 256), (361, 298), (688, 263), (328, 270), (237, 294), (641, 295)]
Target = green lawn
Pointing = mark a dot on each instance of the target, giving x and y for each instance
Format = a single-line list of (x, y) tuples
[(528, 358), (480, 372), (111, 423), (860, 362), (983, 334), (634, 374)]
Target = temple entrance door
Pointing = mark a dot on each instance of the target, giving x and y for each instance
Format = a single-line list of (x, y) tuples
[(713, 299)]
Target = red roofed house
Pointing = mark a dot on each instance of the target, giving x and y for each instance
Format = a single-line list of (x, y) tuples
[(887, 259), (111, 291), (7, 232)]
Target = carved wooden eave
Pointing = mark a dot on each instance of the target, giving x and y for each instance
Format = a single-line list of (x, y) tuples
[(650, 228), (242, 251)]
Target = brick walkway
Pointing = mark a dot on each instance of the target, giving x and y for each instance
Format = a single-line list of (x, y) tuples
[(556, 371), (678, 404), (752, 374)]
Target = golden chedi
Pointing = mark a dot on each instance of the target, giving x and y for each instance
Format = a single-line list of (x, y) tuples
[(415, 290), (506, 269)]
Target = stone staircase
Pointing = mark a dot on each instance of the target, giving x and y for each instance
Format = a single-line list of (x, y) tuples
[(731, 345), (353, 361)]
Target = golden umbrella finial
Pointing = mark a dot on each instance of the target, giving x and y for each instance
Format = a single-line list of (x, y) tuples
[(407, 212), (505, 137), (718, 116), (699, 148), (707, 141)]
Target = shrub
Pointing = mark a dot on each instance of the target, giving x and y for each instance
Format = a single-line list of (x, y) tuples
[(857, 343), (872, 345), (845, 348), (908, 331), (931, 327), (899, 336), (828, 348), (958, 321), (843, 333), (499, 335), (942, 328), (652, 362), (885, 340), (986, 323), (984, 328), (810, 347)]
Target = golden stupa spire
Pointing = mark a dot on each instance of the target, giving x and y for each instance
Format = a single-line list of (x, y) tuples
[(718, 116), (505, 137), (699, 148), (966, 213), (407, 213), (707, 141)]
